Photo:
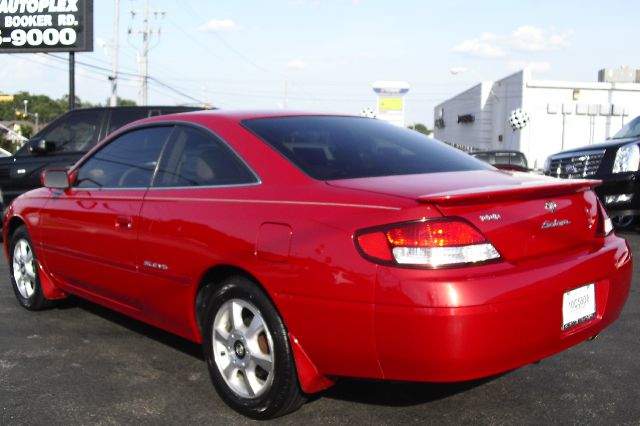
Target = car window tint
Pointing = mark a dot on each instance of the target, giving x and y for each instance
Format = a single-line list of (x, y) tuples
[(629, 130), (127, 162), (328, 147), (121, 117), (77, 133), (195, 158), (483, 156)]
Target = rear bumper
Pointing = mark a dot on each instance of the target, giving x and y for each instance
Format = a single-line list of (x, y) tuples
[(495, 318)]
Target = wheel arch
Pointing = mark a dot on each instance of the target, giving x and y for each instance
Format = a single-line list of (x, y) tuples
[(49, 289), (14, 223), (310, 379)]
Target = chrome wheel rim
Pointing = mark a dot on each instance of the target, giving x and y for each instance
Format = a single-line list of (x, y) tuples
[(24, 268), (243, 348), (622, 221)]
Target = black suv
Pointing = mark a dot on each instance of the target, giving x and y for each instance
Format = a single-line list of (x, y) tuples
[(615, 162), (64, 141)]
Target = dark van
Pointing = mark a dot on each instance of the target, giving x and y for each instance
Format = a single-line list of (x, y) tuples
[(64, 141)]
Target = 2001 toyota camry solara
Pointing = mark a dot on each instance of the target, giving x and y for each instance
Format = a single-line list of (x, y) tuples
[(299, 248)]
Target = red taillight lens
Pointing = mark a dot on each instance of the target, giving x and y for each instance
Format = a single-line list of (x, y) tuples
[(431, 244), (434, 234), (375, 245)]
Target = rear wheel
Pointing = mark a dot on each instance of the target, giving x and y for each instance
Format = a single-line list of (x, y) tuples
[(623, 222), (23, 266), (248, 353)]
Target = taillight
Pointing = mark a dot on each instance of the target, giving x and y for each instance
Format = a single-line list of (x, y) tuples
[(605, 226), (427, 243)]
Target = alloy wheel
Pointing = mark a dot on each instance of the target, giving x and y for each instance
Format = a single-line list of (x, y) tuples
[(243, 348), (24, 268)]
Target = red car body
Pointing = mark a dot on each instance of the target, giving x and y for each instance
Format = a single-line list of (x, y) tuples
[(347, 314)]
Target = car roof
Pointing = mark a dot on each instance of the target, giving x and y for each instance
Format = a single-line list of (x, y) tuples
[(237, 115)]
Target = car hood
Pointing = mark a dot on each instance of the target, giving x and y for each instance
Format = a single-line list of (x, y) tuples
[(613, 143)]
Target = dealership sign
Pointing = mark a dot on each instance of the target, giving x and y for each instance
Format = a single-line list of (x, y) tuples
[(390, 104), (31, 26)]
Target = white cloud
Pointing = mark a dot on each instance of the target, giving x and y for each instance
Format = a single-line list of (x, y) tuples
[(525, 38), (537, 67), (477, 47), (296, 64), (220, 25)]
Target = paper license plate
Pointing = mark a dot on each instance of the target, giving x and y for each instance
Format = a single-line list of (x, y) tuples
[(578, 305)]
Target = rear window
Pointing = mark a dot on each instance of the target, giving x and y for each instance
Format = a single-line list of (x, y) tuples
[(328, 148)]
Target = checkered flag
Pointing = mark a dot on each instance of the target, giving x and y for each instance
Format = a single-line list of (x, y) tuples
[(518, 119), (368, 112)]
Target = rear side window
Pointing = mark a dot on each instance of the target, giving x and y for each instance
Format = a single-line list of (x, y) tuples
[(511, 158), (195, 158), (329, 148), (120, 117), (128, 161)]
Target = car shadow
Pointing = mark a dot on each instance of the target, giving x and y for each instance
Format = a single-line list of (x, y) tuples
[(397, 394), (176, 342), (371, 392)]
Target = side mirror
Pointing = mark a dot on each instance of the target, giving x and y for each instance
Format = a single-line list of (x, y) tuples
[(41, 146), (56, 179)]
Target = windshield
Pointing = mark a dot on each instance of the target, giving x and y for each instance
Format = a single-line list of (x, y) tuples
[(328, 148), (630, 130)]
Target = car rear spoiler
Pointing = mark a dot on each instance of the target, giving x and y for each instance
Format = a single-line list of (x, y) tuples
[(498, 193)]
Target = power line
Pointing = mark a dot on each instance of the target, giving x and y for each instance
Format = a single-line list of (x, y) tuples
[(131, 76), (146, 33)]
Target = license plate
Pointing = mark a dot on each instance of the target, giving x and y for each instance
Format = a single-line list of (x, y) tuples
[(578, 305)]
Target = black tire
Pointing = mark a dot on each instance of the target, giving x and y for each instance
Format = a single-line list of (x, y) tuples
[(623, 222), (256, 392), (23, 268)]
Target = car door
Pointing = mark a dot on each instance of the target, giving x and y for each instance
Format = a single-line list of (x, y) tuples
[(90, 231), (182, 224)]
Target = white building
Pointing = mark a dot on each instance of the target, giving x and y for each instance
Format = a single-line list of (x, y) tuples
[(563, 114)]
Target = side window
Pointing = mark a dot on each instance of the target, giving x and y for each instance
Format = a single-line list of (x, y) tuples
[(78, 133), (126, 162), (194, 158), (120, 117)]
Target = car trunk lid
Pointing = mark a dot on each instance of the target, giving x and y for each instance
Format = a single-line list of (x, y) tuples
[(522, 215)]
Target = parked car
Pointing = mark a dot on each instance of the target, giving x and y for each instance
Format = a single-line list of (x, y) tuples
[(615, 162), (298, 248), (503, 159), (64, 141)]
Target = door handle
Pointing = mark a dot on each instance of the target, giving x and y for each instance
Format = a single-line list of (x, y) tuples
[(124, 222)]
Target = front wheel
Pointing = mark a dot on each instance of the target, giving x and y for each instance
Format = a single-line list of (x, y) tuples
[(23, 266), (248, 353)]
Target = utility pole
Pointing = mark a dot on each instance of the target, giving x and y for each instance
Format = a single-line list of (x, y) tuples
[(146, 32), (114, 55), (285, 104)]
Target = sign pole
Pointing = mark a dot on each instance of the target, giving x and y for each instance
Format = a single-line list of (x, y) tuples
[(32, 26), (72, 80)]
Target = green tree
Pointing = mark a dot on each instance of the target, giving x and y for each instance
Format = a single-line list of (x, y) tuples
[(125, 102), (421, 128), (47, 108)]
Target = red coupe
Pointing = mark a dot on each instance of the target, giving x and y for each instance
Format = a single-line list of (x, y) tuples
[(299, 248)]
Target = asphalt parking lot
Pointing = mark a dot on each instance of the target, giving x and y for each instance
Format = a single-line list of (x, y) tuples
[(79, 364)]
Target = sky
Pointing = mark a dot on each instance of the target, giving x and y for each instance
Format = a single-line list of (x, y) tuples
[(324, 55)]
